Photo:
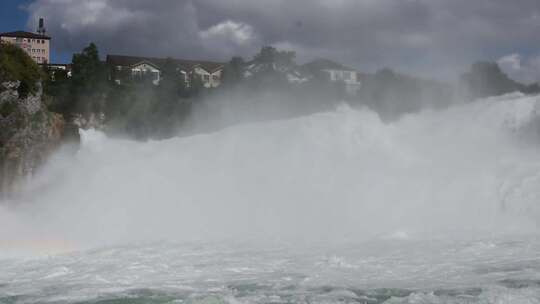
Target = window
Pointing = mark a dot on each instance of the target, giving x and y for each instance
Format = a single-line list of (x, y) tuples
[(206, 77), (215, 77), (136, 73)]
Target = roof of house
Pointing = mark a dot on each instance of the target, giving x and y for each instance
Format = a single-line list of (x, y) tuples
[(23, 34), (326, 64), (121, 60)]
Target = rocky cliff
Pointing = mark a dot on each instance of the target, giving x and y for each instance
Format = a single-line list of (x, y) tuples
[(29, 133)]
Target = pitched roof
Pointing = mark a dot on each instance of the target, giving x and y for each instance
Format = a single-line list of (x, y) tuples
[(23, 34), (325, 64), (121, 60)]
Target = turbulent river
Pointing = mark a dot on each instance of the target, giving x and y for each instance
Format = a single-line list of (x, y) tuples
[(338, 207)]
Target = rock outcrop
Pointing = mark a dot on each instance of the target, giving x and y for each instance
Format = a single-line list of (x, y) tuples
[(29, 133)]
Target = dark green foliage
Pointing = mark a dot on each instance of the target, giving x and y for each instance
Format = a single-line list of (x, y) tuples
[(88, 70), (234, 71), (392, 94), (486, 79), (85, 91), (15, 65), (269, 54), (532, 89), (89, 83), (57, 88), (144, 111), (172, 82)]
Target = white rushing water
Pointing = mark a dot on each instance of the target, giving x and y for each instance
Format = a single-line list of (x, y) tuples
[(438, 207)]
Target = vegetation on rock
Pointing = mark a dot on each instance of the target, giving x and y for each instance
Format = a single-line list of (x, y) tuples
[(29, 132), (16, 65)]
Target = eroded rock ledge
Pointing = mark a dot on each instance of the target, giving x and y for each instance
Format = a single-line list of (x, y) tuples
[(29, 133)]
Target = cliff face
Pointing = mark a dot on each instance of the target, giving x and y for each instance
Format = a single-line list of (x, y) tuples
[(28, 134)]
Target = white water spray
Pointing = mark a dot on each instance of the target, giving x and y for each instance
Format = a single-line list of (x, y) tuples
[(472, 169)]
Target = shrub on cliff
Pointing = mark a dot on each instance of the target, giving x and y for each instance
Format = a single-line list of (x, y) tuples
[(16, 65)]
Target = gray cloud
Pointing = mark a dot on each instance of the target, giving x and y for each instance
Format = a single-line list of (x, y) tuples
[(432, 37)]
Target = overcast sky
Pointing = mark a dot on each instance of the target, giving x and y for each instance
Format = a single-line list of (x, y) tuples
[(438, 38)]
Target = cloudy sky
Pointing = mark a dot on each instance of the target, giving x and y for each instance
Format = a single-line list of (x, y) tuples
[(437, 38)]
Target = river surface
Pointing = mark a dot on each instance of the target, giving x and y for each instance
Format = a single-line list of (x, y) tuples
[(393, 271)]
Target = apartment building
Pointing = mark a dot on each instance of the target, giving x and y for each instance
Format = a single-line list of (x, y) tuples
[(36, 45)]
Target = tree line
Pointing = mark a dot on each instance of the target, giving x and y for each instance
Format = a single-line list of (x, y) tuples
[(251, 89)]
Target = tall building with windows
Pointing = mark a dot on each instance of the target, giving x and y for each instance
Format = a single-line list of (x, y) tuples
[(36, 45)]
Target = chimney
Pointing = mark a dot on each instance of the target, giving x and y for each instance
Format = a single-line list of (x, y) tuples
[(41, 29)]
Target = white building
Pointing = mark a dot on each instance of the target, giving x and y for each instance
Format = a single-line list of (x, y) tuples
[(145, 69), (36, 45), (123, 68), (336, 72), (210, 75)]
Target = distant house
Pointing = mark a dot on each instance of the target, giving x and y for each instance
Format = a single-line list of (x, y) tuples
[(36, 45), (56, 67), (124, 68), (336, 72)]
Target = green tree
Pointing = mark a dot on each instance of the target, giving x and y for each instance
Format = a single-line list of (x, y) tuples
[(269, 54), (234, 71), (88, 70), (172, 82), (486, 79), (89, 81)]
